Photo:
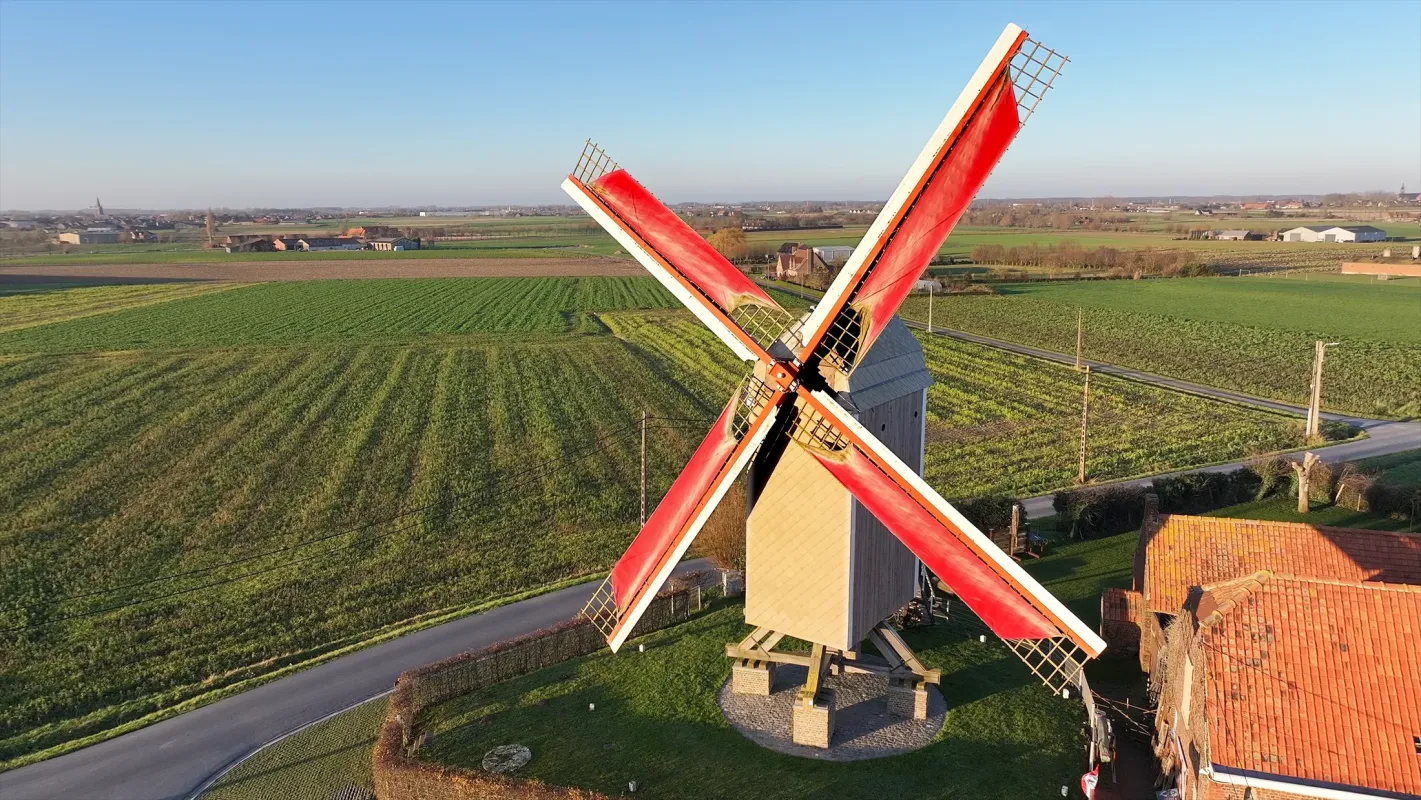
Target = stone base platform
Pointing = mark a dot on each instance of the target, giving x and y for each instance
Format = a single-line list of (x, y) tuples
[(864, 727)]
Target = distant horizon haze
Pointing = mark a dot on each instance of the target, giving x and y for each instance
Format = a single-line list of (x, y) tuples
[(489, 104)]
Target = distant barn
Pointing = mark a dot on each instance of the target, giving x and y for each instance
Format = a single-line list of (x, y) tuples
[(1335, 233)]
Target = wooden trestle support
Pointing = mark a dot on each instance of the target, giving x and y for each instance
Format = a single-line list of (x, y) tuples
[(753, 672)]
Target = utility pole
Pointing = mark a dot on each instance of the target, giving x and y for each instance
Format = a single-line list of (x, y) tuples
[(643, 467), (1085, 418), (1080, 338), (930, 310), (1314, 423)]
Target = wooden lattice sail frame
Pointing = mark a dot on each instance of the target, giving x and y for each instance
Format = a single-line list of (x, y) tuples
[(789, 400)]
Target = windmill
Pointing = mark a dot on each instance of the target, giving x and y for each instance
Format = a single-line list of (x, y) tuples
[(794, 417)]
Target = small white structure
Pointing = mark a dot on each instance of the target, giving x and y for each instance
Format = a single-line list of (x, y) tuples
[(1335, 233), (926, 285), (835, 255)]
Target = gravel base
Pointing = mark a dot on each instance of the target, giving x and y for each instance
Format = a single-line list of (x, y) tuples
[(863, 728)]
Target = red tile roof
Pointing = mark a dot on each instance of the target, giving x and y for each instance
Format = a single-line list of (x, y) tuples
[(1184, 552), (1314, 680)]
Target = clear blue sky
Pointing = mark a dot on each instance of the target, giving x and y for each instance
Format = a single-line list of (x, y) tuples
[(268, 104)]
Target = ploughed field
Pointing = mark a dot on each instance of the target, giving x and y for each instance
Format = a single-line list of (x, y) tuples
[(203, 491), (1253, 335)]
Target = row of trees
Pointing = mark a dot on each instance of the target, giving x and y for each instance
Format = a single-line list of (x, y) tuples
[(1072, 256), (1048, 218)]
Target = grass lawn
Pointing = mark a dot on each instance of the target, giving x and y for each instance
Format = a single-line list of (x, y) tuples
[(657, 722), (315, 764), (1402, 469), (1285, 509)]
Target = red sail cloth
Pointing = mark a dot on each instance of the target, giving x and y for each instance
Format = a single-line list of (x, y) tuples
[(998, 603), (676, 242), (979, 145), (668, 522)]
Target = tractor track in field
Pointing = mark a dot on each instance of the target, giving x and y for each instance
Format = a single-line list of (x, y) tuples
[(325, 269)]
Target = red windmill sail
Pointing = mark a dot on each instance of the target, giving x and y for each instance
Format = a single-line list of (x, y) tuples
[(863, 299)]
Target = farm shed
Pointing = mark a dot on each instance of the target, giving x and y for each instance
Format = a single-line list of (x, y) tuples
[(397, 243), (285, 243), (1271, 678), (1334, 233), (1177, 553), (89, 237), (834, 255), (1234, 236), (315, 244)]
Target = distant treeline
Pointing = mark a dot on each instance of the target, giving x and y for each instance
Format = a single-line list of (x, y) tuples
[(1072, 256), (1060, 220)]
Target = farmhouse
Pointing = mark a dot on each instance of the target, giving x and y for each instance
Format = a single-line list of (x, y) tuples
[(798, 263), (316, 244), (284, 243), (1278, 687), (398, 243), (1334, 233), (89, 237), (1177, 553)]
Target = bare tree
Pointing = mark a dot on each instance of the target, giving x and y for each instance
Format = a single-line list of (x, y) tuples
[(211, 229), (1304, 471)]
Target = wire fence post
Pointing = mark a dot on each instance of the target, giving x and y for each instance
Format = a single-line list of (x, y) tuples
[(643, 467), (1085, 417)]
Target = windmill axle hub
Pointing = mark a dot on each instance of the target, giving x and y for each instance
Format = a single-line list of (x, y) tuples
[(785, 375)]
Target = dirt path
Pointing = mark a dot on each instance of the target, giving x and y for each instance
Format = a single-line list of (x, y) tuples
[(261, 271)]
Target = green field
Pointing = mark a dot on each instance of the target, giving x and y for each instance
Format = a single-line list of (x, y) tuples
[(1253, 335), (384, 310), (1002, 423), (657, 721), (376, 451), (27, 306)]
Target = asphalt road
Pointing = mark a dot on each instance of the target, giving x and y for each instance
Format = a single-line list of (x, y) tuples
[(171, 759)]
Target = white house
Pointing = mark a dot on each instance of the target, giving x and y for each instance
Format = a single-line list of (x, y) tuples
[(1335, 233)]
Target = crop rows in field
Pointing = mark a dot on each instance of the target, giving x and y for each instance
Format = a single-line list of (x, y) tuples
[(129, 466), (1364, 376), (1002, 423), (40, 305), (324, 311)]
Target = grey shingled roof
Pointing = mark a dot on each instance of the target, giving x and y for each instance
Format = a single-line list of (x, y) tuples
[(893, 367)]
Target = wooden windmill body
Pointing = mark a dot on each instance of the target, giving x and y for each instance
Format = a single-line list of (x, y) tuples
[(819, 566)]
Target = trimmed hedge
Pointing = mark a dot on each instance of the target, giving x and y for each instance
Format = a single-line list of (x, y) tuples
[(1107, 510)]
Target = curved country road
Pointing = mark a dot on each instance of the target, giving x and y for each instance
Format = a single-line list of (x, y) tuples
[(171, 759)]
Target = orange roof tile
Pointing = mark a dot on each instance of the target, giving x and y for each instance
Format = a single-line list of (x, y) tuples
[(1185, 552), (1314, 680)]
